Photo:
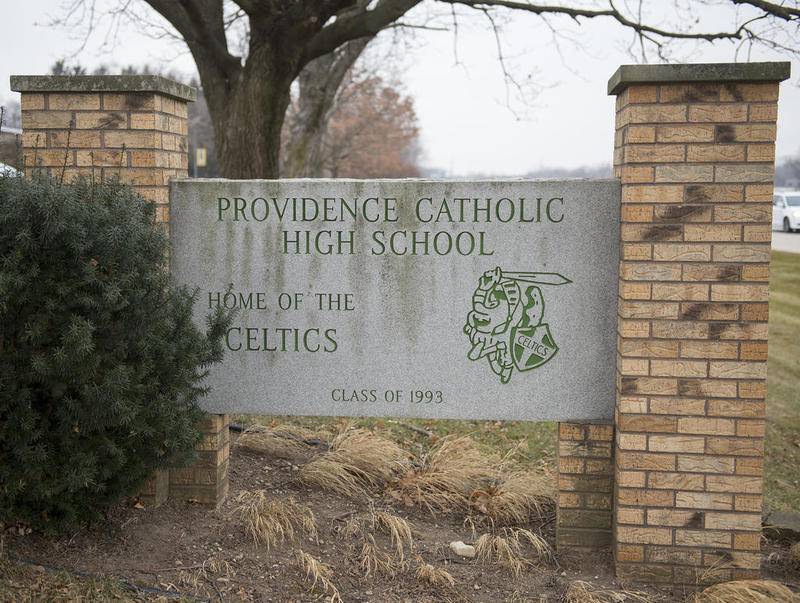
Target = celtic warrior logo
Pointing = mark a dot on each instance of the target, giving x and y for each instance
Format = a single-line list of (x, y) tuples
[(505, 324)]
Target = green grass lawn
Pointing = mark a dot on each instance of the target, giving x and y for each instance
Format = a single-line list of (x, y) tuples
[(782, 470)]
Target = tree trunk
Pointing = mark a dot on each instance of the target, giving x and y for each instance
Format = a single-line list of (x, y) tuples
[(248, 115), (319, 83)]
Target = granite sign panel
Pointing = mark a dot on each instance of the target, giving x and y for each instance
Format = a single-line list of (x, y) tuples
[(442, 299)]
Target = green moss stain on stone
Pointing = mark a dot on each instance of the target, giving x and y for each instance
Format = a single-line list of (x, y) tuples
[(208, 228)]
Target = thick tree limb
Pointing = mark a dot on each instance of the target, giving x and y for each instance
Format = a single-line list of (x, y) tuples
[(359, 24), (202, 26), (319, 84), (778, 10)]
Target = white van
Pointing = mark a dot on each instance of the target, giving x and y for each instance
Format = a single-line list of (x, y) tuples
[(786, 211)]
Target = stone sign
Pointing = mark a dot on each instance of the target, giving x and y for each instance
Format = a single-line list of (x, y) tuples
[(483, 299)]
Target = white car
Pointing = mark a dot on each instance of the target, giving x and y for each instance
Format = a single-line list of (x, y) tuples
[(786, 211)]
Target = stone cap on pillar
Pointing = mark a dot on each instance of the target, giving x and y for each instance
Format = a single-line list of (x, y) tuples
[(103, 83), (627, 75)]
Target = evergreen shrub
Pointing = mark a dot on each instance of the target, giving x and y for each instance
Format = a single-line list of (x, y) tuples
[(101, 365)]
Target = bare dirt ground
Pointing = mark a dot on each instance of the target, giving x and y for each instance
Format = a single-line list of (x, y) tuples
[(186, 551), (197, 553)]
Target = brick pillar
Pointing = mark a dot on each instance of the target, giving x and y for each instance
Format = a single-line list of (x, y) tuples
[(694, 149), (134, 128), (585, 486)]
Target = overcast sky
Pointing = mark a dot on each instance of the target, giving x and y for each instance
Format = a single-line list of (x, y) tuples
[(457, 84)]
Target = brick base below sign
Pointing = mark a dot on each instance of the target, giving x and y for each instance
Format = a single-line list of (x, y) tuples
[(155, 491), (585, 486), (206, 481)]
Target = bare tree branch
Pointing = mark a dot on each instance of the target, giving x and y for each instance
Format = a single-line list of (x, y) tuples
[(612, 12)]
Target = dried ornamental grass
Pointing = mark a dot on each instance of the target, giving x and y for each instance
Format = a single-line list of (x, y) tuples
[(282, 441), (320, 573), (364, 550), (274, 521), (449, 473), (508, 549), (399, 531), (374, 561), (358, 462), (515, 499), (746, 591), (584, 592), (432, 575), (207, 573), (794, 554)]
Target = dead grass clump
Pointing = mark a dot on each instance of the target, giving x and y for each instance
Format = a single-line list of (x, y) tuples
[(358, 462), (583, 592), (515, 498), (794, 555), (274, 521), (448, 474), (746, 591), (282, 441), (367, 553), (399, 531), (514, 549), (198, 578), (374, 561), (432, 575), (320, 573)]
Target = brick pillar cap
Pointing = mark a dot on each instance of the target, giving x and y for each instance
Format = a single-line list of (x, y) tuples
[(103, 83), (697, 72)]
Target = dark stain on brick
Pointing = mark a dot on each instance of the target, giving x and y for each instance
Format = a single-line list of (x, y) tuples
[(112, 121), (699, 92), (696, 194), (135, 101), (661, 233), (630, 385), (730, 273), (734, 91), (707, 311), (696, 520), (679, 212), (716, 329), (693, 312), (689, 387), (725, 133)]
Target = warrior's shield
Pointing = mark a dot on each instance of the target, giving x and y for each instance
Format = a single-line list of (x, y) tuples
[(532, 346)]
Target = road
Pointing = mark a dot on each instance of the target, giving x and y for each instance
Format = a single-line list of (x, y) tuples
[(786, 241)]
